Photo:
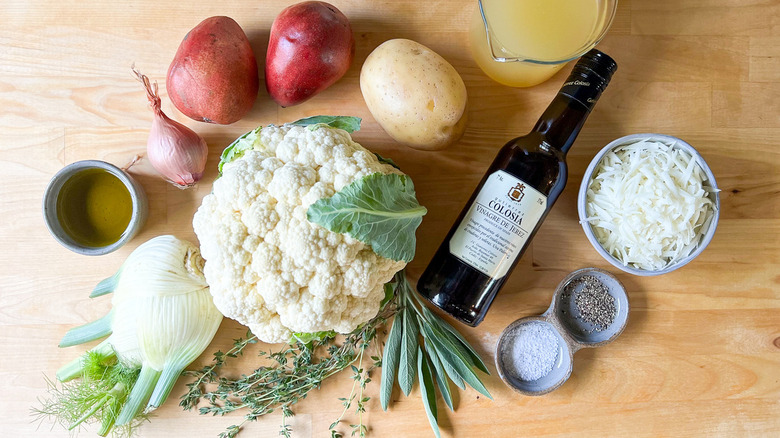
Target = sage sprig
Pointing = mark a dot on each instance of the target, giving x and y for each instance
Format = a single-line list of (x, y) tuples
[(441, 355)]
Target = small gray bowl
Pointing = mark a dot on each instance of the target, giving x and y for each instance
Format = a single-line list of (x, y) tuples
[(137, 195), (582, 200), (586, 335), (561, 369), (571, 333)]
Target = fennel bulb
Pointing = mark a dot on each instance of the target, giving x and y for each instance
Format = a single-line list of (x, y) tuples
[(162, 318)]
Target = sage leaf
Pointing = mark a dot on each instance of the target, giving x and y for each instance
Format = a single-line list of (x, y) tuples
[(449, 369), (347, 123), (427, 392), (457, 340), (439, 374), (390, 358), (238, 148), (379, 210), (408, 360), (461, 367)]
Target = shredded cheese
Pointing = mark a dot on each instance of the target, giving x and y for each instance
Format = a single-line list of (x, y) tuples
[(649, 204)]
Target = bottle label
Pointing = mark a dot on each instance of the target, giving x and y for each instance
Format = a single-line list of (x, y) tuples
[(496, 227)]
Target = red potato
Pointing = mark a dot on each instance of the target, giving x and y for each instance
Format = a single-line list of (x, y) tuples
[(311, 47), (213, 77)]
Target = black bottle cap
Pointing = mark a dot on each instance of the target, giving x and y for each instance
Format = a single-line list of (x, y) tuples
[(598, 62), (589, 77)]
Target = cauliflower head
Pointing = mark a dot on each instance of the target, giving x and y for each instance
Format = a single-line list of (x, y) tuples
[(268, 267)]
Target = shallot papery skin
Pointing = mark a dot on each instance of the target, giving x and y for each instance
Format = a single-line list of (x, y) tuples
[(176, 151)]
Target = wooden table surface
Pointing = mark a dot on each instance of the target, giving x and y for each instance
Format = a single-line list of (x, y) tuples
[(701, 353)]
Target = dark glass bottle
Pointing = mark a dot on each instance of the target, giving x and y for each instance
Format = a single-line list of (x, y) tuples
[(513, 198)]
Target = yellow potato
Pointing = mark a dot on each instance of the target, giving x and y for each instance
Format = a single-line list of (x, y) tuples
[(414, 94)]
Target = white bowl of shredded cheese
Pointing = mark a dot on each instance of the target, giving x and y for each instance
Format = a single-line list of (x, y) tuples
[(648, 203)]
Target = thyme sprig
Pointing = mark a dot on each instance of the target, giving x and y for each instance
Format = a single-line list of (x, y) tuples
[(295, 370), (421, 346)]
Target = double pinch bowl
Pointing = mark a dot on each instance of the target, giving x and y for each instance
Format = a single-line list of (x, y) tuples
[(571, 333)]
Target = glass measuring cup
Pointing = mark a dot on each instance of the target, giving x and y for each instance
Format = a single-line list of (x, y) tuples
[(522, 43)]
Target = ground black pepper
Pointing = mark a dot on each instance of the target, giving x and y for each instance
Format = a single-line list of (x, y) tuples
[(594, 304)]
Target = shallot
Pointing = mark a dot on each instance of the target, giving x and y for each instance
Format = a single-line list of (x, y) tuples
[(177, 152)]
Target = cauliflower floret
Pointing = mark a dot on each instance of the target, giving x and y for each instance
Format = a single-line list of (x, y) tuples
[(270, 268)]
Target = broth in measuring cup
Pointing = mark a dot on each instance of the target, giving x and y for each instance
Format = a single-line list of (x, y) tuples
[(536, 37)]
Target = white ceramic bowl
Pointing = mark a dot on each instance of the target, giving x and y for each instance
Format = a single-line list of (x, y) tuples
[(633, 138)]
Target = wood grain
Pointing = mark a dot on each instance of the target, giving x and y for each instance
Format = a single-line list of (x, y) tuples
[(701, 353)]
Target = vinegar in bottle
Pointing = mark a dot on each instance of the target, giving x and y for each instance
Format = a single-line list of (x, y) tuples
[(509, 204)]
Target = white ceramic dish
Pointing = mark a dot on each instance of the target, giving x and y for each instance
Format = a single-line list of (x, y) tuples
[(572, 334), (633, 138)]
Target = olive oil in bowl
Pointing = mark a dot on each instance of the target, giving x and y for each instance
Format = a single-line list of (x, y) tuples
[(94, 207)]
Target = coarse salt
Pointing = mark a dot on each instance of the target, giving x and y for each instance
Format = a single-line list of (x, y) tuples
[(533, 351)]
